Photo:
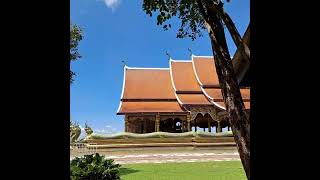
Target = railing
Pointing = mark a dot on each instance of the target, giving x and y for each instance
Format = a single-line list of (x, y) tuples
[(80, 149)]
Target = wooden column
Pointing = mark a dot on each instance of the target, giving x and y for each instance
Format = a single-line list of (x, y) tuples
[(219, 129), (145, 126), (193, 115), (182, 125), (209, 124), (157, 123), (126, 123), (189, 122)]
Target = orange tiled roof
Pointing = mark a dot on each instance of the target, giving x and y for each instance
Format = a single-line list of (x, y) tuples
[(205, 70), (247, 105), (144, 83), (216, 96), (183, 76), (150, 107), (245, 93), (185, 83), (207, 77), (194, 82), (195, 99)]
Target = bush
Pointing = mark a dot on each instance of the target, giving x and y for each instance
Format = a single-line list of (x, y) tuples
[(94, 167)]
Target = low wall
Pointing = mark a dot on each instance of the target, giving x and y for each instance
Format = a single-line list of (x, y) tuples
[(161, 139)]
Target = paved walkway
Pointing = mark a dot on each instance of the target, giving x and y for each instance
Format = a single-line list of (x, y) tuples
[(174, 157)]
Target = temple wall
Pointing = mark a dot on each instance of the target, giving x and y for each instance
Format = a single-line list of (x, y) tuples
[(146, 124), (174, 123), (140, 124)]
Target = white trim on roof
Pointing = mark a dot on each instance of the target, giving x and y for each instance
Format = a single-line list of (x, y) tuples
[(174, 87), (231, 57), (203, 91), (206, 94), (201, 56), (124, 80), (119, 107), (142, 68), (194, 69), (180, 60), (216, 104), (123, 85), (211, 99)]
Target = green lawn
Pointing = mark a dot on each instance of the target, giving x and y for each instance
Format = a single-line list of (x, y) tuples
[(224, 170)]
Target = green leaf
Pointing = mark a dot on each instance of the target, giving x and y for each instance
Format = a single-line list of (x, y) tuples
[(94, 167)]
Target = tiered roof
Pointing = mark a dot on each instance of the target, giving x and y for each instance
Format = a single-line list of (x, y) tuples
[(148, 90), (168, 90), (185, 84)]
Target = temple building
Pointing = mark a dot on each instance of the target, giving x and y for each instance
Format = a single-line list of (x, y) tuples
[(182, 98)]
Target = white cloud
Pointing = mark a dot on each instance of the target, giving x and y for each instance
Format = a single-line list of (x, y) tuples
[(100, 130), (107, 130), (113, 4)]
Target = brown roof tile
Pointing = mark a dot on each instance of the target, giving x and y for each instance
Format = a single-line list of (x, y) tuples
[(205, 70), (213, 93), (150, 107), (183, 76), (247, 105), (245, 93), (216, 95), (193, 99), (148, 84)]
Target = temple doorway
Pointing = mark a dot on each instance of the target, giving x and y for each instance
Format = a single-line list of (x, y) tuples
[(171, 125)]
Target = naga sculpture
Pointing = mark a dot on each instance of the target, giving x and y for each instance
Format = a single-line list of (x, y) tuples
[(88, 129), (75, 132)]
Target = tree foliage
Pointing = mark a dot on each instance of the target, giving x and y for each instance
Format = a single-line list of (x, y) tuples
[(188, 11), (75, 37)]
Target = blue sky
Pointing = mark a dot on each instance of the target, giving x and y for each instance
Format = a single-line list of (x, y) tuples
[(116, 30)]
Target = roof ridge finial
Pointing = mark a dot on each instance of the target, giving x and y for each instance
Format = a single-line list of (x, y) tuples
[(169, 57), (124, 63), (190, 51)]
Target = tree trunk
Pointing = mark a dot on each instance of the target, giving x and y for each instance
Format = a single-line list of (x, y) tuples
[(237, 115)]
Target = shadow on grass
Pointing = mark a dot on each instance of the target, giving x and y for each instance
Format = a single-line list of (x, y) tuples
[(125, 171)]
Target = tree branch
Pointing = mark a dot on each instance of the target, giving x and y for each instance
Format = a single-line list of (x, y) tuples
[(202, 11), (244, 49)]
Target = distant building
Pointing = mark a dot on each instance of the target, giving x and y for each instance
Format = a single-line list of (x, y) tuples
[(187, 95)]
